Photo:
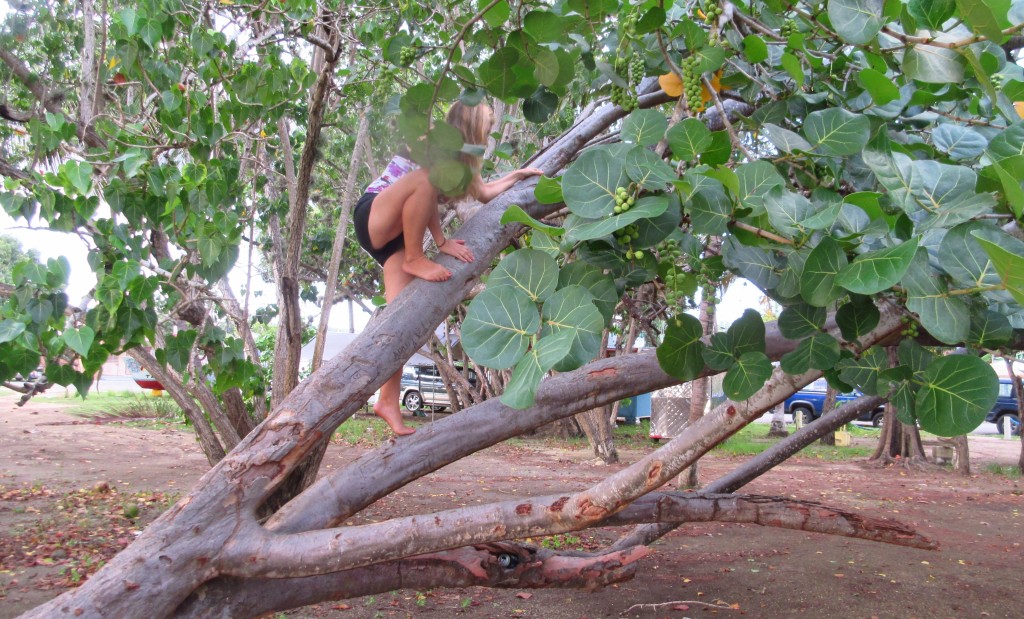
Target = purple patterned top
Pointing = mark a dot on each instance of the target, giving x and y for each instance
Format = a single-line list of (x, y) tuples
[(398, 167)]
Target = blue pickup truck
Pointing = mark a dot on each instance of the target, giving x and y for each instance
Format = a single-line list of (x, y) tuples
[(1005, 410), (810, 401)]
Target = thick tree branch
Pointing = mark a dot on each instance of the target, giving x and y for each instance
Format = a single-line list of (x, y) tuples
[(761, 463), (511, 566), (303, 554)]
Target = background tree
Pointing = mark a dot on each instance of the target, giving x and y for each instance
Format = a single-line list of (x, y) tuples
[(870, 186), (11, 254)]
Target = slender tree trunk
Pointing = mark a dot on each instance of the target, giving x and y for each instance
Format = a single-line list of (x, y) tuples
[(597, 425), (87, 90), (208, 440), (699, 387), (830, 403), (777, 429), (1018, 391), (340, 234)]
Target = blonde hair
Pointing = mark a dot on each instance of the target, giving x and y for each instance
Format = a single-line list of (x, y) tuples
[(474, 123)]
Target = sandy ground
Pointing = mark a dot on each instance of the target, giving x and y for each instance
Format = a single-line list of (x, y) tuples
[(701, 570)]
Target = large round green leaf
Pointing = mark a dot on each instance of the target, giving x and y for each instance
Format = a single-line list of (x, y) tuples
[(962, 257), (958, 392), (654, 230), (959, 142), (572, 309), (819, 352), (863, 372), (529, 270), (837, 132), (600, 285), (757, 179), (688, 139), (718, 355), (589, 184), (710, 210), (10, 329), (818, 285), (1009, 263), (787, 211), (645, 208), (644, 127), (856, 21), (877, 270), (758, 265), (648, 170), (680, 352), (747, 376), (944, 316), (857, 318), (801, 320), (746, 333), (522, 388), (498, 327), (989, 329)]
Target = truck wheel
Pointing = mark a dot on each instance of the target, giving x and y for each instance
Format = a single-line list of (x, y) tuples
[(807, 415), (876, 419), (412, 401)]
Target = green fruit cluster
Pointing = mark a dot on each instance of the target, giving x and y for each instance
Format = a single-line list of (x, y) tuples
[(692, 86), (997, 81), (711, 11), (788, 28), (909, 327), (624, 98), (623, 200), (670, 253), (406, 56)]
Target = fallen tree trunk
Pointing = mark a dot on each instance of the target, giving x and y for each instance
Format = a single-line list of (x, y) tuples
[(525, 566)]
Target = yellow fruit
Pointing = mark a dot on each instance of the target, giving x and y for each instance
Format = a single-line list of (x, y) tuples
[(1017, 105)]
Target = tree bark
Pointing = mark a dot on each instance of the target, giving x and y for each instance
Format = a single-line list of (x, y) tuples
[(777, 429), (827, 407)]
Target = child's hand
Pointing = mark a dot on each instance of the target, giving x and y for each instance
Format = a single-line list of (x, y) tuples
[(528, 172), (457, 248)]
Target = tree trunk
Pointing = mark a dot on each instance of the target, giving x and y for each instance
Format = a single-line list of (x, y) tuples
[(347, 200), (598, 429), (827, 407), (597, 423), (778, 426), (1018, 391), (699, 387)]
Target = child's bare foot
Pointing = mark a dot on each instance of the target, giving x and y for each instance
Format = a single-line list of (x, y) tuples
[(393, 417), (425, 268)]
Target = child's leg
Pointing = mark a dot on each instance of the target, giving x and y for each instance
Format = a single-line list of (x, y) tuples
[(387, 406), (408, 207)]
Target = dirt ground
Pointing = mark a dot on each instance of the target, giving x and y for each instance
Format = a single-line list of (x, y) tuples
[(57, 523)]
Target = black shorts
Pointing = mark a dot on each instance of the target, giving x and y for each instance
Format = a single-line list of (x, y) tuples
[(361, 221)]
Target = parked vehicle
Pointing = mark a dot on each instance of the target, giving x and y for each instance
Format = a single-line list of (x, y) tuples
[(1005, 410), (423, 387), (809, 402)]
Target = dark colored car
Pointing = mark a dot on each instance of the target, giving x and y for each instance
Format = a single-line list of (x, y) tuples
[(809, 402), (1005, 410), (423, 387)]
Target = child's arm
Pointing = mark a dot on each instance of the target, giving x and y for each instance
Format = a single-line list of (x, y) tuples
[(485, 192)]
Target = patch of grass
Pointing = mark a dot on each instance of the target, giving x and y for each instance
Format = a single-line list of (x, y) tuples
[(127, 404), (753, 439), (368, 430), (1010, 471)]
